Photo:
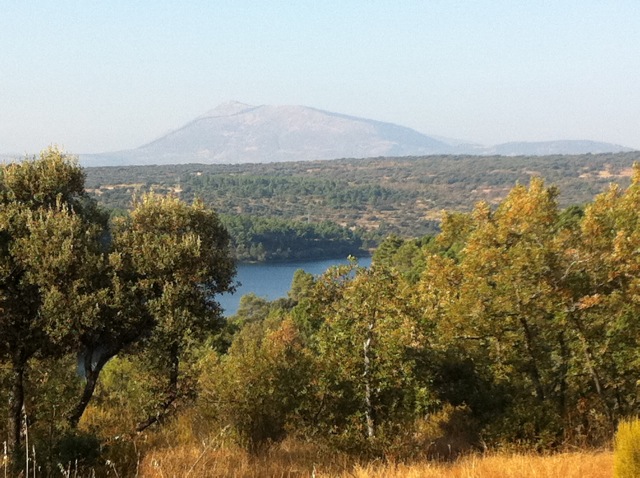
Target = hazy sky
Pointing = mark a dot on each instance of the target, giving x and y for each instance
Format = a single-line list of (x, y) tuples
[(99, 76)]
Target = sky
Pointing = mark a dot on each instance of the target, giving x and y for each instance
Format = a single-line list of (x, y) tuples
[(95, 76)]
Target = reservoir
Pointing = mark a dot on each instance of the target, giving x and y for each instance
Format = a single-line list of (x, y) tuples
[(273, 280)]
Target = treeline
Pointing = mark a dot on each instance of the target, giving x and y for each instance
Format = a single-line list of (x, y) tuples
[(335, 193), (379, 196), (271, 239)]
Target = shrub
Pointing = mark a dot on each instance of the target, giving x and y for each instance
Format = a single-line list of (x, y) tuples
[(627, 450), (257, 387)]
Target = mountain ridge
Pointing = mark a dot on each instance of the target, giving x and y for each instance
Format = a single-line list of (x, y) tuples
[(239, 133)]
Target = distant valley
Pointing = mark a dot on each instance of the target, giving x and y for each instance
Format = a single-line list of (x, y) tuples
[(237, 133), (327, 208)]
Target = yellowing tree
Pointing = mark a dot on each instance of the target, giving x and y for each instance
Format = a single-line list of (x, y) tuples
[(501, 297), (604, 267)]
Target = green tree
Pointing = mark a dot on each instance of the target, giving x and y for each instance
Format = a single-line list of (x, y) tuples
[(258, 387), (70, 285), (169, 261), (604, 269), (51, 263), (368, 348), (301, 285)]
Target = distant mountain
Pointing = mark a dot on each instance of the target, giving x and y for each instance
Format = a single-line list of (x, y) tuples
[(240, 133), (544, 148)]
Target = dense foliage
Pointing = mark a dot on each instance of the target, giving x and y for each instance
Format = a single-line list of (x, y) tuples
[(516, 325), (368, 198), (272, 239)]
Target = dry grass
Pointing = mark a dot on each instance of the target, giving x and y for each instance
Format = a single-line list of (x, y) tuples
[(299, 460), (565, 465), (287, 460)]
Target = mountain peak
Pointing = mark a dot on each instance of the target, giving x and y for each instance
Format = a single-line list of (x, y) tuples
[(229, 108)]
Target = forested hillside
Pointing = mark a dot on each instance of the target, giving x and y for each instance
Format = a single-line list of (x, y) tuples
[(514, 327), (370, 198)]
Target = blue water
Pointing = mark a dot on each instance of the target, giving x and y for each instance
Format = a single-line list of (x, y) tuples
[(272, 281)]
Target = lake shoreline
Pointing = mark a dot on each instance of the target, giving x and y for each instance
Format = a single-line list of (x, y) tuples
[(272, 280), (368, 255)]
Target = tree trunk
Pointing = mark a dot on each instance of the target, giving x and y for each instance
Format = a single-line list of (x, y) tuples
[(564, 370), (367, 384), (533, 365), (590, 363), (171, 394), (91, 374), (16, 404)]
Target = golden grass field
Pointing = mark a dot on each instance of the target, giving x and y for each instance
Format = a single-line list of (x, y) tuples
[(291, 460)]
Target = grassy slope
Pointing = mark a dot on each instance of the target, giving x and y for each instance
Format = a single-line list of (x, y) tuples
[(298, 460)]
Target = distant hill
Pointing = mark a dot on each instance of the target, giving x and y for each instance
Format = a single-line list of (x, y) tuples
[(236, 133), (382, 196), (546, 148)]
